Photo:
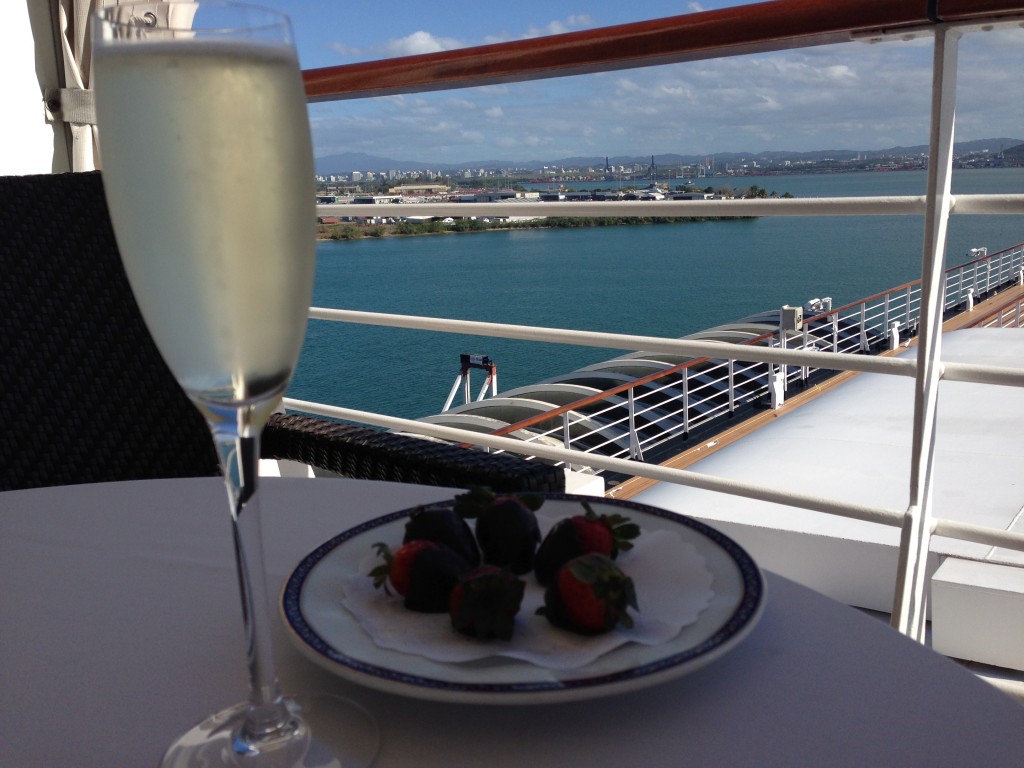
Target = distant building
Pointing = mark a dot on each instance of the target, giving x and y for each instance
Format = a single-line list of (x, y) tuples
[(419, 189), (372, 199)]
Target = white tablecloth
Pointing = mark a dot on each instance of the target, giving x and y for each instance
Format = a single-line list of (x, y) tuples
[(120, 627)]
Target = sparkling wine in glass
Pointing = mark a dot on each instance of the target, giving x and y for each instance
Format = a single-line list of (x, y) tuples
[(208, 172)]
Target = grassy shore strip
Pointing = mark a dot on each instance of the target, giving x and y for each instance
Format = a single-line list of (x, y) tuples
[(355, 231)]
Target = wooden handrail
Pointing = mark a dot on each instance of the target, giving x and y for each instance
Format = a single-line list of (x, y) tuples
[(756, 28)]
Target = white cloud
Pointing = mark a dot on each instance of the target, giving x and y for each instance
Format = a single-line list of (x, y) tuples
[(560, 26), (461, 103), (420, 42)]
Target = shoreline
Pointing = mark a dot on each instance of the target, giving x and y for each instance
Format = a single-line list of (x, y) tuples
[(327, 233)]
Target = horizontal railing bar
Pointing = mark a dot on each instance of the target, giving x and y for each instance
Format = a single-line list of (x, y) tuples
[(712, 349), (864, 512), (896, 205), (756, 28), (994, 537), (693, 348), (971, 205), (982, 374)]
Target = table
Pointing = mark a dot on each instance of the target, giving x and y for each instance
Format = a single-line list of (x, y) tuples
[(120, 627)]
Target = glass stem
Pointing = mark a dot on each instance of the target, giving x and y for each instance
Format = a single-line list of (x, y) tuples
[(267, 716)]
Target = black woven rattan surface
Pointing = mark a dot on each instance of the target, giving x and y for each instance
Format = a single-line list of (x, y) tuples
[(85, 395), (373, 455)]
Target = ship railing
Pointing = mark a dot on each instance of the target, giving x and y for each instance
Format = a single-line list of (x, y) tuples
[(664, 407), (756, 28)]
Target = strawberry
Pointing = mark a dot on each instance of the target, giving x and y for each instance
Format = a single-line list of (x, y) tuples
[(485, 601), (506, 527), (580, 534), (444, 526), (590, 595), (422, 572)]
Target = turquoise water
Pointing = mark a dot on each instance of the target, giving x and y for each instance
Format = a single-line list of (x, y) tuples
[(660, 280)]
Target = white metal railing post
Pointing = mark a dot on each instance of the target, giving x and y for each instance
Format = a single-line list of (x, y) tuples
[(864, 346), (634, 440), (566, 439), (732, 386), (783, 368), (909, 602), (686, 400), (805, 370)]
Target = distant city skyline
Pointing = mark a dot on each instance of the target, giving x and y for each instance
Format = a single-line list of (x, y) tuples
[(976, 153), (857, 95)]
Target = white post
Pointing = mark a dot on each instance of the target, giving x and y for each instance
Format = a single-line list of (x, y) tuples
[(483, 389), (686, 400), (451, 395), (732, 386), (805, 370), (775, 385), (634, 440), (909, 603)]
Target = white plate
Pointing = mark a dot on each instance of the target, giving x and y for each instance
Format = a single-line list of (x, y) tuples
[(328, 634)]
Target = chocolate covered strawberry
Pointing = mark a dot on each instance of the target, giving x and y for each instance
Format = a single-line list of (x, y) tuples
[(485, 601), (444, 526), (422, 572), (579, 535), (590, 595), (506, 527)]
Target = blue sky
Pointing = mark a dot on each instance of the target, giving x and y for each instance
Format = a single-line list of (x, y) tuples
[(854, 96)]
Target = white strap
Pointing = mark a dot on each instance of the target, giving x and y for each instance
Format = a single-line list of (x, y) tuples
[(70, 105)]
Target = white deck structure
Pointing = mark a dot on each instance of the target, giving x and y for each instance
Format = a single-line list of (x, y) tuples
[(854, 442)]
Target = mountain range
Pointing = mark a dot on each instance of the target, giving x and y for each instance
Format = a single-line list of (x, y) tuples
[(356, 161)]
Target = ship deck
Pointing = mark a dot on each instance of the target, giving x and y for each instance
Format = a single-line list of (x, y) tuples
[(794, 400), (851, 436)]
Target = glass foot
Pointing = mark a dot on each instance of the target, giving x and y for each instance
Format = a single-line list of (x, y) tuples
[(329, 732)]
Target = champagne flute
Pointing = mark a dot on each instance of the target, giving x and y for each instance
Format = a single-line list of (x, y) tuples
[(208, 173)]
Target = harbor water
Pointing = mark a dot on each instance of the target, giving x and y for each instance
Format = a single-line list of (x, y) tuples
[(654, 279)]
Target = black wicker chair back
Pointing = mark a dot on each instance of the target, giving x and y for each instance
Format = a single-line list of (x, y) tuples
[(374, 455), (84, 394)]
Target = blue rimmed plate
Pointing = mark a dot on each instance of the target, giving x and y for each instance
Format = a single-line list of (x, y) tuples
[(324, 630)]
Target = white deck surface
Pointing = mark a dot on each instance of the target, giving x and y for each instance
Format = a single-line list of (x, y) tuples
[(854, 443)]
